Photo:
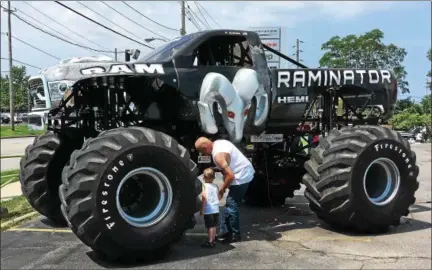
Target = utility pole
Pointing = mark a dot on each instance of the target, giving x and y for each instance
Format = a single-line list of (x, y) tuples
[(298, 51), (183, 15), (115, 54), (11, 92), (127, 55)]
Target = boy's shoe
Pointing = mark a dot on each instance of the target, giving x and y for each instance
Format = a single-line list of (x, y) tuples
[(223, 236)]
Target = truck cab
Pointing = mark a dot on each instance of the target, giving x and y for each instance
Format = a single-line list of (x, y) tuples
[(47, 89)]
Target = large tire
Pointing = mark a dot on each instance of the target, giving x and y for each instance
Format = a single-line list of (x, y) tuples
[(40, 173), (91, 181), (337, 181)]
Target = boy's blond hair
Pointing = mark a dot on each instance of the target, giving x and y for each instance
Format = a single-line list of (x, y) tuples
[(209, 174)]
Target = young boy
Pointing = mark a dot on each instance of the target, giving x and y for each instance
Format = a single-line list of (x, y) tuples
[(210, 206)]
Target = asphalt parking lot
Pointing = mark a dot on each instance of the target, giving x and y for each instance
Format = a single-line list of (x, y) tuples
[(287, 237)]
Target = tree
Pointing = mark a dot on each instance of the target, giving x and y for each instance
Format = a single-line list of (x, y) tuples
[(403, 104), (426, 104), (365, 51), (429, 56), (406, 120), (20, 80)]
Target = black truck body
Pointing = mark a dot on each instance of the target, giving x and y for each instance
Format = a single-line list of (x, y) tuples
[(166, 83)]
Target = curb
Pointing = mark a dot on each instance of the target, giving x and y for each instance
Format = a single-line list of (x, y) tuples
[(18, 219), (8, 182), (17, 137), (11, 156), (9, 198)]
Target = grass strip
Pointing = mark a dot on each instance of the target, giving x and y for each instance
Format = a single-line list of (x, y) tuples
[(16, 207), (9, 176), (20, 130)]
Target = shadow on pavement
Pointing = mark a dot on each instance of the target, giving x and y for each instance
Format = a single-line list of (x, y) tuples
[(417, 208), (291, 221), (271, 223), (50, 224), (188, 248)]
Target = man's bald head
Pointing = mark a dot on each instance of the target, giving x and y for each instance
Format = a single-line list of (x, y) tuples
[(204, 145)]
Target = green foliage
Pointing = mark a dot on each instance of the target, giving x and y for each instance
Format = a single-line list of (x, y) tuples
[(426, 104), (403, 104), (409, 114), (429, 56), (365, 51), (406, 120), (20, 80), (20, 130)]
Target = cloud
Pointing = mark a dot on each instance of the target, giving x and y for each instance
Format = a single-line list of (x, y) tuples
[(228, 14), (340, 10)]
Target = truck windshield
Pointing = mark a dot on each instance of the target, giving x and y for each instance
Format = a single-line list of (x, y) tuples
[(167, 50)]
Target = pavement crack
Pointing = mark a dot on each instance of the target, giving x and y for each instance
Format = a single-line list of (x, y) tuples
[(295, 247)]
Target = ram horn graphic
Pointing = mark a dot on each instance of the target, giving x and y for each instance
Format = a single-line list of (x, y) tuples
[(234, 100), (246, 83)]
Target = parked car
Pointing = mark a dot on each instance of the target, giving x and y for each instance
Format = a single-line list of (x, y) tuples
[(5, 118), (414, 134)]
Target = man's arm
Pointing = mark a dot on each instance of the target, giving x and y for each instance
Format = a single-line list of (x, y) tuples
[(222, 160)]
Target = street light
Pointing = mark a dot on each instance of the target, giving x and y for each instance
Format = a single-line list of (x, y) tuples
[(155, 38)]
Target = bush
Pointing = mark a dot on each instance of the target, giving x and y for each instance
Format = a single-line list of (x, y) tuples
[(406, 120)]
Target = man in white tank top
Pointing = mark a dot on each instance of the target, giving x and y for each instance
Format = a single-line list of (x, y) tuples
[(238, 172)]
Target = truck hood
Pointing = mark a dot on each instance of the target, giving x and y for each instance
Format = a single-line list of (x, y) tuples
[(71, 71), (78, 71)]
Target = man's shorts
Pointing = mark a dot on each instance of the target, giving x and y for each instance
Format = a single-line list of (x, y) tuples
[(211, 220)]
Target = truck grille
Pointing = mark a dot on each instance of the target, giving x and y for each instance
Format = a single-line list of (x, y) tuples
[(35, 120), (36, 88)]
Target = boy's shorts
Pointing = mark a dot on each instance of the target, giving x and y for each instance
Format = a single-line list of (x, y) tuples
[(211, 220)]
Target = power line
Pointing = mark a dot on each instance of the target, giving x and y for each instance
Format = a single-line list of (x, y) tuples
[(33, 46), (62, 39), (25, 2), (208, 14), (118, 12), (149, 18), (108, 19), (191, 13), (199, 10), (66, 39), (104, 26), (49, 27), (21, 63), (193, 21), (187, 15), (298, 51), (190, 17)]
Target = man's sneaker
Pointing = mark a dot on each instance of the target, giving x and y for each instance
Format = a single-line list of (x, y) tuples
[(232, 239), (192, 222), (223, 236)]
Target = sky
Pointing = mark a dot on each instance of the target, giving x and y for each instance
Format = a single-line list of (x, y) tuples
[(404, 23)]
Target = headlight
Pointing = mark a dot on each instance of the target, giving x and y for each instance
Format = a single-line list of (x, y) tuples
[(57, 89)]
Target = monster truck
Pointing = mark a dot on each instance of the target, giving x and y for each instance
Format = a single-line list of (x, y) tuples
[(48, 87), (127, 175)]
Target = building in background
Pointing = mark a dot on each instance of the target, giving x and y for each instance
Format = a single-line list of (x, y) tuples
[(276, 38)]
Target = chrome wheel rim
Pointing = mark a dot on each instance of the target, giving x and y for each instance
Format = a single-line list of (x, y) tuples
[(381, 181), (144, 197)]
